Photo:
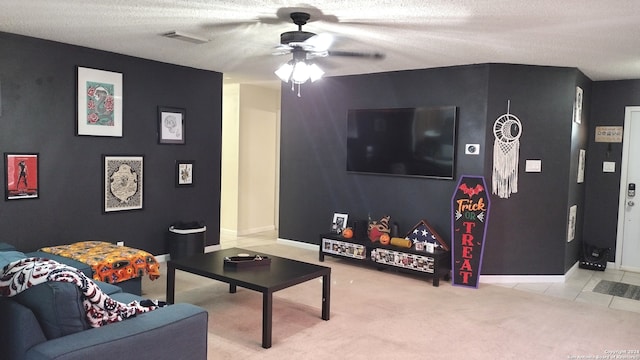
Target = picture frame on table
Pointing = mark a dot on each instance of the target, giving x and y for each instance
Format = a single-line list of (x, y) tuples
[(339, 222), (123, 182), (22, 176), (99, 102), (184, 173), (171, 125)]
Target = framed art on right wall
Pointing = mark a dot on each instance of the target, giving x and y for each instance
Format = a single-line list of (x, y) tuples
[(184, 173), (171, 123)]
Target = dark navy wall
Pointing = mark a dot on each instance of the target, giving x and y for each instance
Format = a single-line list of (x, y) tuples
[(601, 217), (314, 182), (527, 232), (38, 114)]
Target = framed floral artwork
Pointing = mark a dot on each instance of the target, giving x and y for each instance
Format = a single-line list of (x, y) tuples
[(21, 176), (184, 173), (123, 182), (99, 100)]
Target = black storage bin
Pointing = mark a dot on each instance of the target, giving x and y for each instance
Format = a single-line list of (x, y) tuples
[(186, 239)]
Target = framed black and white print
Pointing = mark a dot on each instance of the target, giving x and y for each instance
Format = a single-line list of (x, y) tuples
[(123, 182), (339, 222), (171, 123), (184, 173)]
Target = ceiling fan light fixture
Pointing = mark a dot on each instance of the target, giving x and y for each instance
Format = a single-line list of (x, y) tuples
[(284, 71), (315, 72), (300, 73)]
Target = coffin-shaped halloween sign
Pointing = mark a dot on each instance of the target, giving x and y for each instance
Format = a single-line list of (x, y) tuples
[(470, 214)]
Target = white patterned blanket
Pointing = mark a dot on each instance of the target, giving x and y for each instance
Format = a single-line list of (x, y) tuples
[(20, 275)]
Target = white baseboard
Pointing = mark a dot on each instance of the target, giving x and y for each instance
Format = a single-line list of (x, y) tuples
[(166, 257), (512, 279), (486, 279), (211, 248), (256, 230), (299, 244), (228, 232)]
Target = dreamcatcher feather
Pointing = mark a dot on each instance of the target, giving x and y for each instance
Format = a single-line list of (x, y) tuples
[(506, 153)]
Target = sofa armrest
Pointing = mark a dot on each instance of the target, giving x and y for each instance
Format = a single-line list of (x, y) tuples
[(176, 331), (19, 329)]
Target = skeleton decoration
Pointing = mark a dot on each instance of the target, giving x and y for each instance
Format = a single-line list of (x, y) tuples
[(506, 152)]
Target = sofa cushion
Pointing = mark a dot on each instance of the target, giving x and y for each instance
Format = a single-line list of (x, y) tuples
[(10, 256), (6, 247), (57, 306)]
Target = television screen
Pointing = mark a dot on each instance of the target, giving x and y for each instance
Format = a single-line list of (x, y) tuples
[(403, 141)]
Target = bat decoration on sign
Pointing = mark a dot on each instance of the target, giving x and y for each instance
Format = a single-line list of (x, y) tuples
[(471, 191)]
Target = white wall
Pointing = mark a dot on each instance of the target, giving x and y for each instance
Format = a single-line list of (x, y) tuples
[(250, 159), (230, 163)]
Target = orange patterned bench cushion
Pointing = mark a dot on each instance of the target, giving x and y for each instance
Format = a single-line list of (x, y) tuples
[(110, 263)]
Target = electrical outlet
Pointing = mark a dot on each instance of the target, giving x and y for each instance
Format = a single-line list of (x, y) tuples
[(120, 243)]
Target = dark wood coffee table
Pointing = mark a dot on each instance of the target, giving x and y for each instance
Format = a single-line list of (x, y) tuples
[(267, 279)]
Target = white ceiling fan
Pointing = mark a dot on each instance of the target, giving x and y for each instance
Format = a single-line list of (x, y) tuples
[(305, 47)]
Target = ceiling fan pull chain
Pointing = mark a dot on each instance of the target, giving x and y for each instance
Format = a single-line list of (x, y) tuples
[(298, 90)]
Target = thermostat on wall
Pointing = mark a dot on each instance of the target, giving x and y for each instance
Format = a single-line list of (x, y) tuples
[(533, 166)]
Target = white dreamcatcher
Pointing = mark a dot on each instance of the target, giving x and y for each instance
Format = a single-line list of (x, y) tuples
[(506, 153)]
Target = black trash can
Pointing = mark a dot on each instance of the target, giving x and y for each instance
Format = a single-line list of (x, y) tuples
[(186, 239)]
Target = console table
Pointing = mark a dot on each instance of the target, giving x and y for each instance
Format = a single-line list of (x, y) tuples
[(433, 265)]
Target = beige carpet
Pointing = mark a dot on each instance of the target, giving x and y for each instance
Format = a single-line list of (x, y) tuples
[(386, 315)]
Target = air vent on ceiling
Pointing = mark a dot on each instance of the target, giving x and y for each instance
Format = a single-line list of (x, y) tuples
[(179, 35)]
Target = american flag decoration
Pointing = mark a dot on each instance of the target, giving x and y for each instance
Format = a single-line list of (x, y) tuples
[(423, 233)]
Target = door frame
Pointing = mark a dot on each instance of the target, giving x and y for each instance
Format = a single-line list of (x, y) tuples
[(622, 199)]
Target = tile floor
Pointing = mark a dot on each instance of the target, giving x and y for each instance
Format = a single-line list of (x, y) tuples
[(577, 287)]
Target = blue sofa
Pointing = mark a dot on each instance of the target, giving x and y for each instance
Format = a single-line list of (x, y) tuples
[(47, 322)]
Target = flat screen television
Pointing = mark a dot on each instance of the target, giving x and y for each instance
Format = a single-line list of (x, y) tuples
[(417, 141)]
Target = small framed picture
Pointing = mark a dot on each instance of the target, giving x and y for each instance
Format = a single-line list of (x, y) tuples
[(577, 107), (123, 182), (99, 100), (171, 123), (21, 176), (184, 173), (339, 222)]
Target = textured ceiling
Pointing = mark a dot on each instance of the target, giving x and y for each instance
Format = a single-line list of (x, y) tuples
[(601, 38)]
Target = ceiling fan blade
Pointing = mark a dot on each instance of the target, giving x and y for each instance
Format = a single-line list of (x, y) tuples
[(282, 49), (317, 54), (320, 42), (374, 55)]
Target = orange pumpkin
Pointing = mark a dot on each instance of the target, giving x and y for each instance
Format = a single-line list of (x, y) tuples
[(347, 233), (385, 239)]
